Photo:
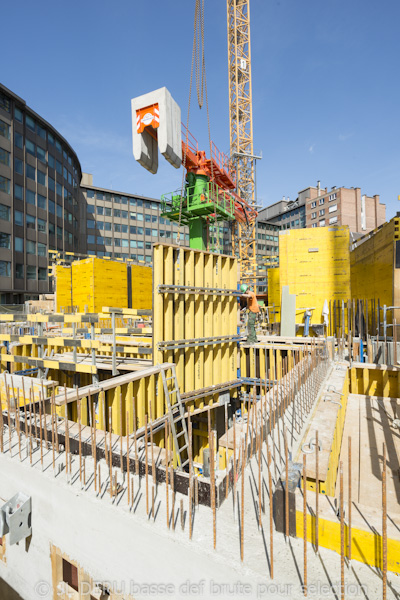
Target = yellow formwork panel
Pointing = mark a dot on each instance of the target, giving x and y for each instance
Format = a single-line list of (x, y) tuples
[(97, 282), (375, 381), (180, 317), (366, 547), (315, 264), (327, 487), (141, 285), (64, 297), (372, 267)]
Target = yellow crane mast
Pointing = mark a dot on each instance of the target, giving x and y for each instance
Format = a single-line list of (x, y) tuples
[(241, 130)]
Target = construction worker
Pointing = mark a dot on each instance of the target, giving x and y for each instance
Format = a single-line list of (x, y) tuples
[(253, 310)]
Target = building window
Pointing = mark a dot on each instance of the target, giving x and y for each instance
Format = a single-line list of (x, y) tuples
[(90, 224), (50, 138), (58, 167), (19, 166), (5, 268), (99, 196), (19, 218), (41, 178), (107, 226), (321, 201), (322, 223), (31, 172), (4, 212), (4, 102), (51, 161), (30, 224), (52, 207), (99, 209), (41, 225), (42, 201), (5, 240), (58, 146), (30, 272), (322, 212), (107, 211), (18, 140), (42, 274), (18, 243), (30, 123), (117, 242), (30, 147), (52, 184), (59, 189), (4, 157), (4, 184), (332, 220), (41, 132), (4, 129), (59, 211), (19, 271), (41, 154), (30, 197), (332, 197), (18, 115), (51, 228), (30, 246), (41, 250), (91, 239), (314, 225), (313, 204), (314, 215), (333, 208)]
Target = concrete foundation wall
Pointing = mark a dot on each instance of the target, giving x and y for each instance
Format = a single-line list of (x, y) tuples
[(107, 542)]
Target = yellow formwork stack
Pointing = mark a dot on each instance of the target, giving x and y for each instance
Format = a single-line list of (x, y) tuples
[(64, 298), (97, 282), (315, 264), (141, 284)]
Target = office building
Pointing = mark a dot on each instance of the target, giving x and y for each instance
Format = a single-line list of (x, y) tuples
[(40, 206)]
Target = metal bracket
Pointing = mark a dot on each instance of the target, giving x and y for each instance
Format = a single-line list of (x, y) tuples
[(15, 518)]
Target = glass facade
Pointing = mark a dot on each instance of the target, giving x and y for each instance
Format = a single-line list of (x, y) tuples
[(124, 226), (267, 240), (36, 199)]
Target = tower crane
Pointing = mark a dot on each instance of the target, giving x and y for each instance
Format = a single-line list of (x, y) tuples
[(241, 132), (216, 189)]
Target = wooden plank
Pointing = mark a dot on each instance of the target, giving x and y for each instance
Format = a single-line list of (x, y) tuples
[(110, 383)]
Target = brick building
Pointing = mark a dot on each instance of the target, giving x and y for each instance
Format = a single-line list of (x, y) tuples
[(343, 206)]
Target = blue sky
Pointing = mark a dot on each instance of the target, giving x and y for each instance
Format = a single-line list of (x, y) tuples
[(326, 86)]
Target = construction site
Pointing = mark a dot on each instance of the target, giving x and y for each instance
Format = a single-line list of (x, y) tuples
[(164, 433)]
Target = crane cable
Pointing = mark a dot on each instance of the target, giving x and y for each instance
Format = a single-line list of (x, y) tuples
[(199, 65)]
